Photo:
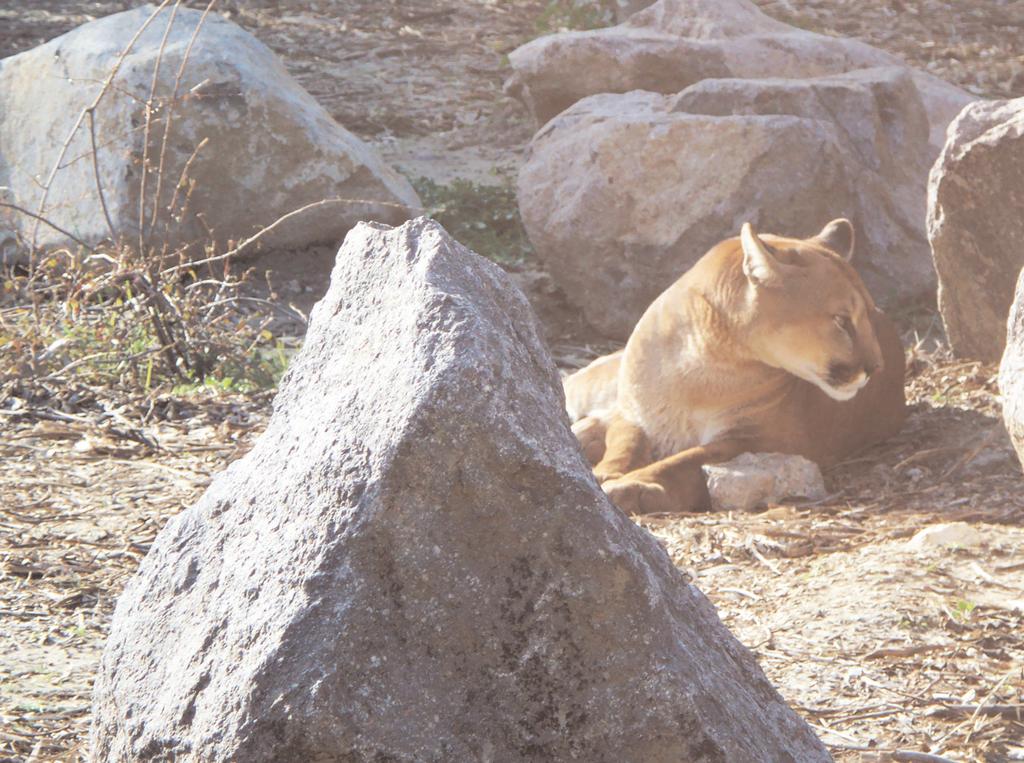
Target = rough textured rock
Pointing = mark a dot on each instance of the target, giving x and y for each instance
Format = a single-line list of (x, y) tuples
[(675, 43), (757, 479), (1011, 372), (975, 224), (414, 563), (622, 193), (270, 147), (626, 8)]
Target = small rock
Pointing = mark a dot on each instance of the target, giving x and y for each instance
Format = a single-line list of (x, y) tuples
[(951, 535), (914, 474), (756, 479), (991, 460), (85, 445)]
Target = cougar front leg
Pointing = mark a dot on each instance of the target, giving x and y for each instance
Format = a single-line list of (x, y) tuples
[(626, 449), (673, 484), (591, 431)]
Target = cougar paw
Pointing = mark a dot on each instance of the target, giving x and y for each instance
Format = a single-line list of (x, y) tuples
[(604, 475), (635, 497), (590, 432), (593, 450)]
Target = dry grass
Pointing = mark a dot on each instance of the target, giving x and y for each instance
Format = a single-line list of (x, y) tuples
[(880, 647), (886, 649), (90, 476)]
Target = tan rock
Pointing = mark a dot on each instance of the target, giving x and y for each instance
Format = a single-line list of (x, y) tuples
[(1011, 372), (622, 193), (626, 8), (976, 225), (675, 43)]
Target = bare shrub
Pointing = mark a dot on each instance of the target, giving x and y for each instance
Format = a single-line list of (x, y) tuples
[(144, 307)]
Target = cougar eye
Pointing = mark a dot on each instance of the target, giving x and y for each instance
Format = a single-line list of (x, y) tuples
[(845, 323)]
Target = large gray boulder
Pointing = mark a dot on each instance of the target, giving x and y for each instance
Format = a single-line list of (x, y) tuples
[(621, 194), (1011, 372), (675, 43), (271, 148), (976, 224), (414, 563)]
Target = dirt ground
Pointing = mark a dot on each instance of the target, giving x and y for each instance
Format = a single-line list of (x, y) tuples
[(881, 643)]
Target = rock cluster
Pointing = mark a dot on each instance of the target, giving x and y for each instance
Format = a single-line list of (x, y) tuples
[(662, 135), (672, 44)]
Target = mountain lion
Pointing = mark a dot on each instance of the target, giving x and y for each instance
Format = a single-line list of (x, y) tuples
[(767, 344)]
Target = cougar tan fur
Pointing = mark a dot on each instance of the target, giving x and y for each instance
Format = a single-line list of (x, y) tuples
[(768, 344)]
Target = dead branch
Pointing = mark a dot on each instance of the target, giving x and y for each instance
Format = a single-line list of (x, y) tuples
[(149, 122), (81, 117), (907, 756), (903, 651), (278, 222), (256, 301), (1013, 712), (901, 756), (41, 219), (183, 177), (170, 116), (96, 356), (96, 173)]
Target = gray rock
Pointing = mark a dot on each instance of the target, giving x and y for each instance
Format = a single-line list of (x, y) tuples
[(271, 148), (675, 43), (975, 224), (757, 479), (414, 563), (1011, 372), (626, 8), (622, 193)]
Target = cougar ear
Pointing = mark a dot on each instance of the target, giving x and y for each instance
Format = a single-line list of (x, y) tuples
[(759, 265), (838, 236)]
